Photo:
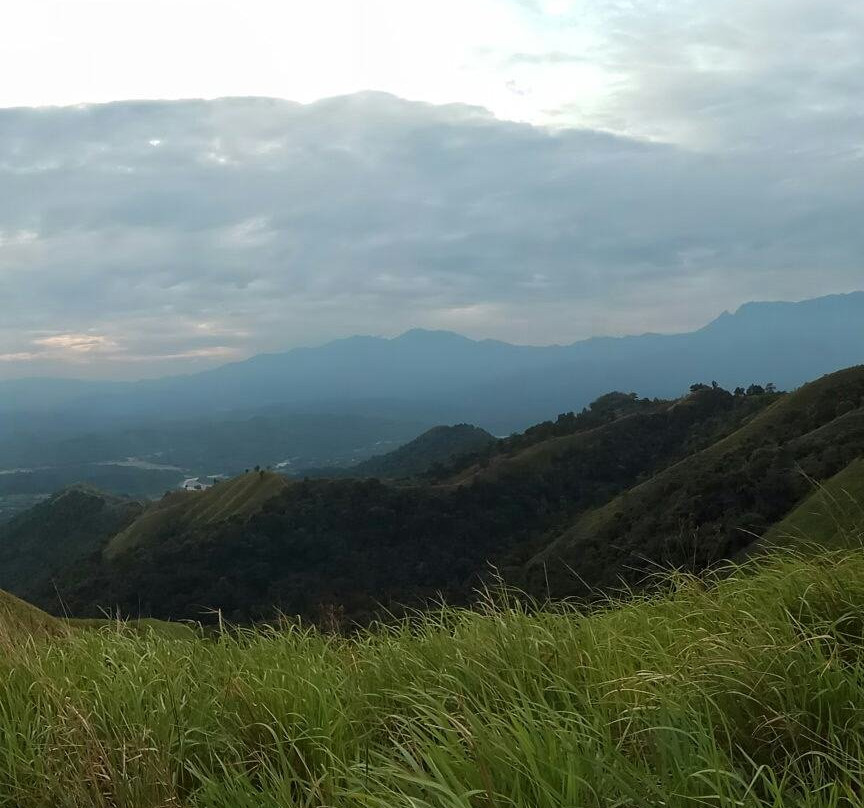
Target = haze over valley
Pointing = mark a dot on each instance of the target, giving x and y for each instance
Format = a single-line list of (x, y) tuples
[(338, 404)]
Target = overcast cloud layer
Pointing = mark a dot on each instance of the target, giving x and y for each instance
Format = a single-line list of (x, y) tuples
[(714, 159)]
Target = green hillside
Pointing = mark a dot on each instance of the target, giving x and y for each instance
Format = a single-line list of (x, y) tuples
[(354, 546), (187, 510), (739, 692), (715, 502), (19, 621), (59, 534), (833, 514), (573, 507), (617, 429)]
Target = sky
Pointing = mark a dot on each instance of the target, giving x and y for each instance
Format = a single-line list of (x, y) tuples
[(188, 182)]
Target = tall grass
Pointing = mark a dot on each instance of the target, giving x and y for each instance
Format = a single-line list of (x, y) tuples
[(745, 691)]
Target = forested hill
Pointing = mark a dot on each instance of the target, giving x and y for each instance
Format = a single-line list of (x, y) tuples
[(569, 507), (428, 454), (715, 502), (54, 536)]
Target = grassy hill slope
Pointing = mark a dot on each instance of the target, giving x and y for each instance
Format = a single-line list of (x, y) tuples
[(834, 513), (617, 428), (20, 621), (187, 510), (715, 502), (743, 693)]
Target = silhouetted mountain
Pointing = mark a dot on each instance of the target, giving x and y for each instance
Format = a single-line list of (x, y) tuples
[(499, 386)]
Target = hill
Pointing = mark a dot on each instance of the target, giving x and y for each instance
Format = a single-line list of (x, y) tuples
[(715, 502), (58, 535), (355, 545), (833, 513), (180, 511), (19, 622), (571, 507), (435, 447)]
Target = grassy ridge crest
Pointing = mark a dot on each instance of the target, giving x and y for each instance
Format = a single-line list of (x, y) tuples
[(237, 497)]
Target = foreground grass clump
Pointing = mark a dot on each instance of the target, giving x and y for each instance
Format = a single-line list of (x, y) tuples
[(746, 691)]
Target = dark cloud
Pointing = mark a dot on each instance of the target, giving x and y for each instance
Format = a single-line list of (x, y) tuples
[(140, 238)]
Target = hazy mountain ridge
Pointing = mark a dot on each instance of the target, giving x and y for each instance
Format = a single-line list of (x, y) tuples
[(496, 385)]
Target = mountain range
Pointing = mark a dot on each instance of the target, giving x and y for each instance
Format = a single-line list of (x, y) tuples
[(345, 402), (439, 376)]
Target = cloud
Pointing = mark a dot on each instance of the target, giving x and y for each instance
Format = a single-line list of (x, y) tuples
[(21, 356), (371, 214), (775, 74), (77, 343)]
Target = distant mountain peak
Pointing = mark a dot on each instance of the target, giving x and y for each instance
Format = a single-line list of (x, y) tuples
[(431, 335), (755, 310)]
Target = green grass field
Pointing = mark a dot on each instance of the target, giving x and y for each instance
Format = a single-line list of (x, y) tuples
[(747, 690)]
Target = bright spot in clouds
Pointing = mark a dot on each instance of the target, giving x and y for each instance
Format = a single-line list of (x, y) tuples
[(77, 343)]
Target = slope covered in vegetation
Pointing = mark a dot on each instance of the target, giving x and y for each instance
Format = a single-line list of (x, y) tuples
[(435, 447), (20, 622), (180, 511), (357, 545), (715, 502), (834, 512), (745, 692), (571, 507), (57, 535)]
